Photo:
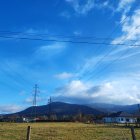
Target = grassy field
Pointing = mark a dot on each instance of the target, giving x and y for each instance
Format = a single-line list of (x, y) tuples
[(64, 131)]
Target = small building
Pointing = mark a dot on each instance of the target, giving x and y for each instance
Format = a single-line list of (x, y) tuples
[(120, 117)]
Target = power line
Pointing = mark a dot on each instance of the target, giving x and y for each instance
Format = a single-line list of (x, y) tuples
[(109, 36), (107, 66), (69, 41), (11, 74), (122, 22), (110, 50), (99, 62), (115, 60), (114, 30), (58, 36), (52, 35)]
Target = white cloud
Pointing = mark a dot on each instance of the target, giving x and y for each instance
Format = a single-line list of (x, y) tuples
[(56, 46), (105, 5), (121, 91), (77, 33), (10, 109), (130, 23), (65, 14), (81, 8), (47, 51), (130, 29), (28, 33), (40, 100), (86, 6), (89, 65), (125, 5), (69, 0), (29, 100), (32, 31), (74, 89), (64, 75), (22, 93)]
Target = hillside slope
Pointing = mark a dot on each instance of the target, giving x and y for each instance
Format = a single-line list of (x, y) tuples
[(58, 108)]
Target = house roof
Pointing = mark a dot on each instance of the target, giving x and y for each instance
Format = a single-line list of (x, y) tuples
[(120, 114), (137, 114)]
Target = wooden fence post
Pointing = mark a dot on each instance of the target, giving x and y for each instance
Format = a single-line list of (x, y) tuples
[(28, 133), (133, 133)]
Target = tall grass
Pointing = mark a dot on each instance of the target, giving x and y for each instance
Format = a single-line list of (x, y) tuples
[(64, 131)]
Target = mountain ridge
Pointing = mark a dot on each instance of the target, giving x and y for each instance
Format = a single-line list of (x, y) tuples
[(114, 108), (57, 108), (61, 108)]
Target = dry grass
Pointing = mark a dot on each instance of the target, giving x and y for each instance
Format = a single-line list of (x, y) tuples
[(64, 131)]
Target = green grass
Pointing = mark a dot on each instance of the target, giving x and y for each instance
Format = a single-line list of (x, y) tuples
[(64, 131)]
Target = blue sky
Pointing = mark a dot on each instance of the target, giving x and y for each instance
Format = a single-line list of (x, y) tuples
[(71, 72)]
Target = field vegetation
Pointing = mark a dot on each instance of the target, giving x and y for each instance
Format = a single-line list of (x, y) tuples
[(65, 131)]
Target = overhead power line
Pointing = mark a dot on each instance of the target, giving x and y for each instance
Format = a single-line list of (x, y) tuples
[(53, 35), (108, 65), (110, 50), (110, 35), (68, 41), (56, 35), (118, 58)]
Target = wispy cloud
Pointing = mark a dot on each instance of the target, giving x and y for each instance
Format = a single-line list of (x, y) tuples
[(64, 75), (10, 108), (105, 5), (131, 23), (39, 100), (47, 51), (53, 47), (86, 6), (125, 5), (65, 14), (81, 8), (130, 29), (91, 64), (77, 33)]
